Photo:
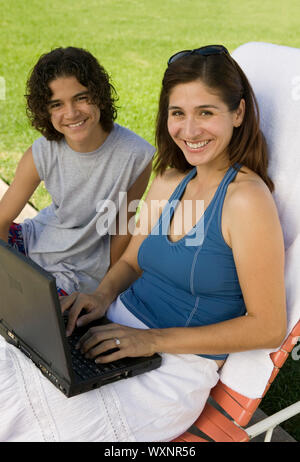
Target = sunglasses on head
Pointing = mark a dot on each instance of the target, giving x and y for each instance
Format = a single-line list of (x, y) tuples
[(203, 51)]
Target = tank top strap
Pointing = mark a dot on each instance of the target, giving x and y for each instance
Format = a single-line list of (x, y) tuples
[(168, 209), (219, 196), (212, 213), (216, 202), (178, 191)]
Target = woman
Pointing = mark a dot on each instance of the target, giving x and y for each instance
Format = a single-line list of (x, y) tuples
[(187, 282), (84, 158)]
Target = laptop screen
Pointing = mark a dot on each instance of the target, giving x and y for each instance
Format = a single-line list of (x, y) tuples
[(28, 307)]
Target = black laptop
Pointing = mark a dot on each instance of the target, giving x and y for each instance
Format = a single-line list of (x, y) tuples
[(31, 319)]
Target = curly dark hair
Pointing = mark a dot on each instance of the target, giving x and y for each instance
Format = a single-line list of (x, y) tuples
[(68, 62)]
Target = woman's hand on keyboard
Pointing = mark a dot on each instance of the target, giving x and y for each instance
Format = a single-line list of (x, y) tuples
[(129, 342), (94, 306)]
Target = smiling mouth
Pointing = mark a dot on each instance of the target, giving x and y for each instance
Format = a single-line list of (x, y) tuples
[(77, 124), (198, 145)]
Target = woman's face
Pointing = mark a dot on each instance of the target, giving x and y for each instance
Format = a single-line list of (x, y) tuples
[(200, 123), (74, 116)]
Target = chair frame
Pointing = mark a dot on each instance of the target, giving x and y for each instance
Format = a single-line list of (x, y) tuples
[(227, 413)]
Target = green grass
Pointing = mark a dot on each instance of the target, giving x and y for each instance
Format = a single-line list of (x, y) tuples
[(133, 40), (283, 392)]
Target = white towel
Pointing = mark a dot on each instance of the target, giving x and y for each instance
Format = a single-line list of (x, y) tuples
[(274, 73), (248, 372)]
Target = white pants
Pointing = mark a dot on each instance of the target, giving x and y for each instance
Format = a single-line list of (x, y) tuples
[(154, 406)]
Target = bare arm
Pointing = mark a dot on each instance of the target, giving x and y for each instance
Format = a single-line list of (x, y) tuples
[(120, 241), (25, 182)]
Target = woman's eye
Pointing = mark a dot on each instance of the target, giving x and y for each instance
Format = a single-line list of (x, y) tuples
[(206, 113), (177, 113)]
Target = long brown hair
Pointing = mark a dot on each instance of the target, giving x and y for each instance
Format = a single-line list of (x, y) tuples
[(222, 75)]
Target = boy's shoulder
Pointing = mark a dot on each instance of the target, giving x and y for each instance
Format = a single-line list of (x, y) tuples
[(42, 141), (124, 134)]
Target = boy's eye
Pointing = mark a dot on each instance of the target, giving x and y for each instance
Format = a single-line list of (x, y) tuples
[(54, 105), (82, 98)]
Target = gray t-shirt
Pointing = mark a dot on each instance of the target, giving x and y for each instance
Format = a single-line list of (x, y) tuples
[(71, 237)]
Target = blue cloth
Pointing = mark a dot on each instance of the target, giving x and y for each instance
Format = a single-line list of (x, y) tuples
[(15, 239), (191, 282)]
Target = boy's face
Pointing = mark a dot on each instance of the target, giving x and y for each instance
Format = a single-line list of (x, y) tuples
[(74, 116)]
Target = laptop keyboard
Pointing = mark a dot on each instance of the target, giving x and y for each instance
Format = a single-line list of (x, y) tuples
[(84, 367)]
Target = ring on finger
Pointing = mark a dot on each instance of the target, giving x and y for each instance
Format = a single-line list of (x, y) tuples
[(117, 342)]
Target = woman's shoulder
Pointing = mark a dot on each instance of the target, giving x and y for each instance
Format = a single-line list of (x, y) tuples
[(247, 193), (248, 185)]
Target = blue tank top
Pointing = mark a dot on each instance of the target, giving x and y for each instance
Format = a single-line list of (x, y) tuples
[(190, 282)]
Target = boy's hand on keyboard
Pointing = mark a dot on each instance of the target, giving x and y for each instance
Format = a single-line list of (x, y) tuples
[(94, 306)]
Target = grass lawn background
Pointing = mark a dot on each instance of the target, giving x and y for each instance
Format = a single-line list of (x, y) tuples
[(133, 40)]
